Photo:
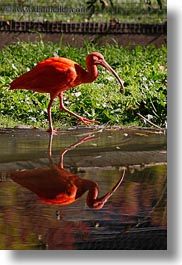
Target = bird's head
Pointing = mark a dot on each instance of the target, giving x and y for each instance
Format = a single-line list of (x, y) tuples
[(96, 58)]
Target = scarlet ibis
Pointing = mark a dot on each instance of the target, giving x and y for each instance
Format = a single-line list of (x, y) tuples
[(56, 185), (55, 75)]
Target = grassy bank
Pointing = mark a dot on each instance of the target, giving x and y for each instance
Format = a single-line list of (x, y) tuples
[(80, 10), (143, 69)]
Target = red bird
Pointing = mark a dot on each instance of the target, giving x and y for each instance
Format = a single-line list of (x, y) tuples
[(55, 75)]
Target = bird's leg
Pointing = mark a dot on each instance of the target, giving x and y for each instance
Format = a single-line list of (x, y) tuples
[(50, 148), (51, 130), (83, 140), (82, 119)]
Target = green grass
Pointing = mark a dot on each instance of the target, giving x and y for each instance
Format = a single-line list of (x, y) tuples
[(142, 68), (81, 10)]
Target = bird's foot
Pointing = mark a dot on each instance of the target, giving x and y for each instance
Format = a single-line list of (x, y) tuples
[(87, 121)]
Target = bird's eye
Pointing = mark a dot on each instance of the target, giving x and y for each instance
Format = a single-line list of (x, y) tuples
[(95, 58), (99, 59)]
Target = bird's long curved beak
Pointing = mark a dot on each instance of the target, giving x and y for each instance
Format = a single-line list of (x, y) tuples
[(99, 203), (109, 68)]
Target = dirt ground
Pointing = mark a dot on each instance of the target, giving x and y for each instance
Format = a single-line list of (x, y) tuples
[(77, 40)]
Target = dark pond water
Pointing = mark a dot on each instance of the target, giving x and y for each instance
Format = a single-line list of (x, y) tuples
[(83, 189)]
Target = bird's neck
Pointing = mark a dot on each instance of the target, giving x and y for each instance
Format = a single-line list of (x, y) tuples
[(91, 73)]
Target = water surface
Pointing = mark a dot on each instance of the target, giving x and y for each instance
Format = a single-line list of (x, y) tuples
[(83, 189)]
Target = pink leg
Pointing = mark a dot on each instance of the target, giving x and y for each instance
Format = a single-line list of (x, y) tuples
[(83, 140), (82, 119), (50, 116)]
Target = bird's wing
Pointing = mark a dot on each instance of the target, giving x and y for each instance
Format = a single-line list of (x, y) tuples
[(48, 76)]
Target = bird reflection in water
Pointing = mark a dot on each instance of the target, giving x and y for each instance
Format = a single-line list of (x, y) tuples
[(56, 185)]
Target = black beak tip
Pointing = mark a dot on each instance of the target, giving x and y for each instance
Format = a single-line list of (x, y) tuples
[(122, 89)]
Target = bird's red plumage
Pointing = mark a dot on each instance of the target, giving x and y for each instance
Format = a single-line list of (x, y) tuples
[(52, 76), (55, 75)]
